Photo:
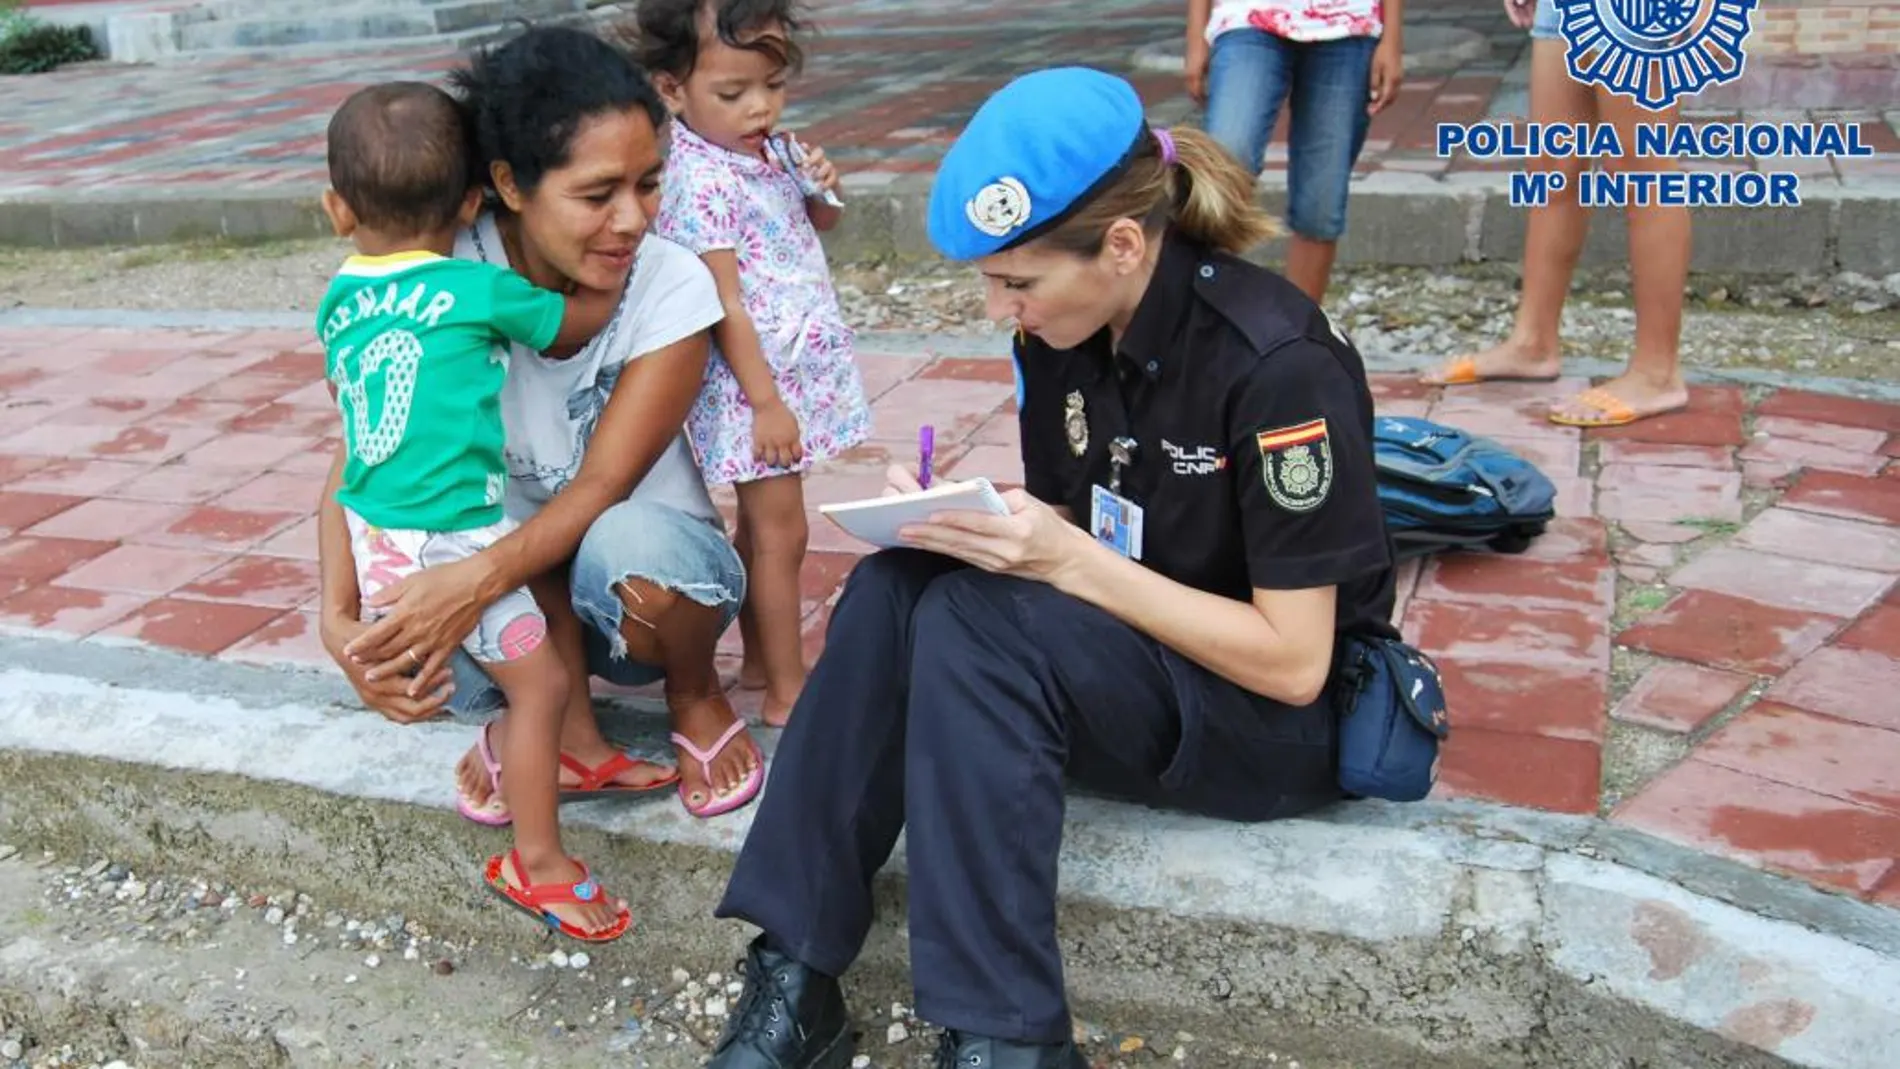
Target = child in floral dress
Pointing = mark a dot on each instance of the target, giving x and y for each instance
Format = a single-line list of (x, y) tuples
[(782, 391)]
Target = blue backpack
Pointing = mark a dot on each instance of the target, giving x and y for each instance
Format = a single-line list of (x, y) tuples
[(1442, 488)]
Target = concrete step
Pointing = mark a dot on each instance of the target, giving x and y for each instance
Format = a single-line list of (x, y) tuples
[(1452, 934), (365, 22), (244, 10)]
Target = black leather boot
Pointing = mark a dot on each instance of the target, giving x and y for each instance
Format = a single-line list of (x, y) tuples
[(958, 1050), (788, 1017)]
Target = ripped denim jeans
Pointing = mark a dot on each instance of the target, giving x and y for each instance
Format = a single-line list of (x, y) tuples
[(631, 540)]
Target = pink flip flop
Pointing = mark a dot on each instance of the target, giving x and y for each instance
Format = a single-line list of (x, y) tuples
[(747, 791), (495, 814)]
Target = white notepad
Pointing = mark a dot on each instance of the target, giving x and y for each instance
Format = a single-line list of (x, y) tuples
[(877, 519)]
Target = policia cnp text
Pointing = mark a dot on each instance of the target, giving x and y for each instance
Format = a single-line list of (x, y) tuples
[(1157, 619)]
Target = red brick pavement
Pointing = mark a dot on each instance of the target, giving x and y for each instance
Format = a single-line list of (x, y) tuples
[(887, 85), (159, 488)]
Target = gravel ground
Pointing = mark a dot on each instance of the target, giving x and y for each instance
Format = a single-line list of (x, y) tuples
[(1845, 327), (105, 968)]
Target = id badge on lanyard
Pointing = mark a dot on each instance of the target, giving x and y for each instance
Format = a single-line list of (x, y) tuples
[(1114, 520)]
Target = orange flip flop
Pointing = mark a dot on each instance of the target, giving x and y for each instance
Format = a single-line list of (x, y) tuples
[(1608, 411), (1463, 371)]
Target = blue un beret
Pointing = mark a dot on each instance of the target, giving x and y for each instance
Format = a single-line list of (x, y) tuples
[(1033, 149)]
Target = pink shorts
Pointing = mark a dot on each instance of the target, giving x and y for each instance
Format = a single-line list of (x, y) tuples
[(509, 629)]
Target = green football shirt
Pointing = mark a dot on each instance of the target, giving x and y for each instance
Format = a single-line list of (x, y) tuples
[(417, 351)]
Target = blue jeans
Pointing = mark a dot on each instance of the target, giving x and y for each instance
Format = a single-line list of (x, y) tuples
[(1546, 25), (631, 540), (1251, 72)]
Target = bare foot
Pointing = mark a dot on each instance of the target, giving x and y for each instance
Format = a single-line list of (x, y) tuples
[(704, 720), (776, 710), (1624, 399), (589, 917), (1510, 361), (751, 675)]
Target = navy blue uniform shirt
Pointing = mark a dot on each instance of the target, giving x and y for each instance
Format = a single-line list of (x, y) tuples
[(1253, 427)]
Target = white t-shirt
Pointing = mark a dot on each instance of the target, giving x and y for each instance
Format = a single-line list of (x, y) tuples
[(550, 407), (1299, 20)]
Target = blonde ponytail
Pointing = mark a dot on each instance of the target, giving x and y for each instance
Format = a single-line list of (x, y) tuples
[(1203, 191), (1215, 203)]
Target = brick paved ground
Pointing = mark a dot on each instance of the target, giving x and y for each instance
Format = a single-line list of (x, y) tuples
[(1736, 563), (888, 83)]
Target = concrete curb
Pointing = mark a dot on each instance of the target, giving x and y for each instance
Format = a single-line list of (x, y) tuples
[(1397, 218), (1484, 935)]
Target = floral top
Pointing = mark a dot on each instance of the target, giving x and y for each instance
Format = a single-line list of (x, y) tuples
[(714, 199), (1299, 20)]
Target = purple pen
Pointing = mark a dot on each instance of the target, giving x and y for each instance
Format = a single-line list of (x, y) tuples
[(926, 445)]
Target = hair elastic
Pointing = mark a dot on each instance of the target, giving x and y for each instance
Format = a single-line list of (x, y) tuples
[(1166, 140)]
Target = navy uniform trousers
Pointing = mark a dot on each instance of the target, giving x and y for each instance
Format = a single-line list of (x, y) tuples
[(952, 702)]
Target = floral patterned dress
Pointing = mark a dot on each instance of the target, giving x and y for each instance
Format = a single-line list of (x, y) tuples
[(716, 199)]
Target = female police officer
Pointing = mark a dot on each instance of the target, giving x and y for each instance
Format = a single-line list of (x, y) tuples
[(1184, 661)]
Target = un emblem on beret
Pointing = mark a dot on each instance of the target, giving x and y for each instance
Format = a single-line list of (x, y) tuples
[(1655, 51), (999, 207)]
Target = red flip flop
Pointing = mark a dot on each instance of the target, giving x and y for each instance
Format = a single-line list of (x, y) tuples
[(534, 899), (598, 782)]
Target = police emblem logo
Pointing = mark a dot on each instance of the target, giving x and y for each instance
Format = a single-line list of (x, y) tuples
[(999, 207), (1655, 51), (1296, 464), (1075, 423)]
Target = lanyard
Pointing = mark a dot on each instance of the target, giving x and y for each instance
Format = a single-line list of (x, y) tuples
[(1124, 449)]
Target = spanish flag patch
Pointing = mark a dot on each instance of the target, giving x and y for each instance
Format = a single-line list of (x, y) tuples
[(1296, 464)]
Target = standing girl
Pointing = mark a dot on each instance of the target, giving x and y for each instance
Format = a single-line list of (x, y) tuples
[(783, 391), (1337, 62)]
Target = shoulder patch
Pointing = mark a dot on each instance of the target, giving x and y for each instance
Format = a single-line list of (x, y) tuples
[(1296, 464)]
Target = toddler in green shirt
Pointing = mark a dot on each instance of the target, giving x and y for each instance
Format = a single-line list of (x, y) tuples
[(416, 348)]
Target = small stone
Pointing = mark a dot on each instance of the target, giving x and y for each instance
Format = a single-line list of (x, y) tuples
[(680, 976), (211, 900), (116, 1064), (693, 990), (444, 967), (626, 981), (1180, 1054), (899, 1011), (350, 979), (1468, 935), (558, 959), (96, 869), (862, 1061), (274, 915), (579, 960), (714, 979), (896, 1034), (290, 937), (372, 961), (1132, 1044), (410, 953), (735, 988), (715, 1006), (11, 1049)]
